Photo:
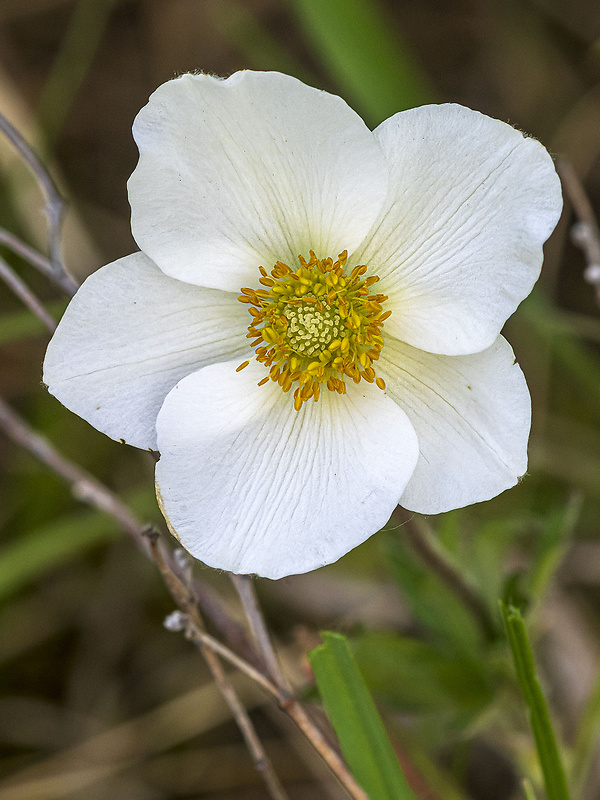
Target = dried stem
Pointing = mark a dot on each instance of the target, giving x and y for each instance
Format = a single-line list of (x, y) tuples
[(39, 261), (24, 293), (426, 547), (182, 592), (253, 743), (258, 627), (54, 203), (286, 701), (585, 233), (234, 634), (89, 490), (245, 588)]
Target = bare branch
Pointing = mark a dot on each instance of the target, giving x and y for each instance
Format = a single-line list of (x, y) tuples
[(39, 261), (54, 203), (287, 702), (261, 760), (24, 293), (254, 615), (181, 590)]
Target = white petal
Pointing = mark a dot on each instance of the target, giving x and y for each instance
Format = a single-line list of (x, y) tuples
[(129, 334), (252, 486), (243, 172), (472, 416), (459, 244)]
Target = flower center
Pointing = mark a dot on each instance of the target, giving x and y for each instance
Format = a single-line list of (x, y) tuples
[(316, 326)]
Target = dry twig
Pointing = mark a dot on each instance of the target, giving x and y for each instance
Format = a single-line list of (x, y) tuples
[(54, 206), (247, 593), (24, 293), (182, 592)]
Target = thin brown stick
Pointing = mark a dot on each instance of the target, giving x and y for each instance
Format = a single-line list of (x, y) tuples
[(54, 202), (89, 490), (182, 592), (39, 261), (234, 634), (584, 233), (287, 702), (183, 595), (247, 593), (24, 293), (261, 760), (425, 546)]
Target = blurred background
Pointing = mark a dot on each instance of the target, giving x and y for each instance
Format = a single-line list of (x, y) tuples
[(97, 699)]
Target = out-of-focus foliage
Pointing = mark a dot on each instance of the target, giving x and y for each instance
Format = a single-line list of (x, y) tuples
[(98, 699)]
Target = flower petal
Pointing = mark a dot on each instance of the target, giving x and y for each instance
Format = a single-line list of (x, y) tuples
[(459, 244), (129, 334), (472, 416), (252, 486), (243, 172)]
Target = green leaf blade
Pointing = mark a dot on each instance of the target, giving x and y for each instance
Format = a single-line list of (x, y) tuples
[(541, 725), (359, 727), (372, 65)]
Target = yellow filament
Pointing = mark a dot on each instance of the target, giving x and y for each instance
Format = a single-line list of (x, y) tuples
[(315, 326)]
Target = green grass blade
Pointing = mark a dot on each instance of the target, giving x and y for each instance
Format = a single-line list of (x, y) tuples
[(528, 790), (372, 65), (261, 50), (543, 733), (357, 723)]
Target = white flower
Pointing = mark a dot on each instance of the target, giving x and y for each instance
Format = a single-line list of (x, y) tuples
[(418, 397)]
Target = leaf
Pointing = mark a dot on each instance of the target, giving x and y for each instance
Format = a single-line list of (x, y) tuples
[(528, 790), (373, 66), (260, 49), (357, 723), (539, 716)]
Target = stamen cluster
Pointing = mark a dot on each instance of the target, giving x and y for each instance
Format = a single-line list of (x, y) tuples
[(317, 325)]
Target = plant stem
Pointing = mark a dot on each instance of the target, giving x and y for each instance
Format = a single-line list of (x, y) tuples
[(543, 733), (247, 593), (55, 205), (24, 293)]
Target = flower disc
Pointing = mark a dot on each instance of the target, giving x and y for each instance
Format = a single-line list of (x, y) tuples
[(316, 326)]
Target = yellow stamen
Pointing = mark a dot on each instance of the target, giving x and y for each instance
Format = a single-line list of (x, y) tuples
[(315, 326)]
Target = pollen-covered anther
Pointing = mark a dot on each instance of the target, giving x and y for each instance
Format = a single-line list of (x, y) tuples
[(316, 326)]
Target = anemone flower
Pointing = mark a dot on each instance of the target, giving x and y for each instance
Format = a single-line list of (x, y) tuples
[(310, 334)]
